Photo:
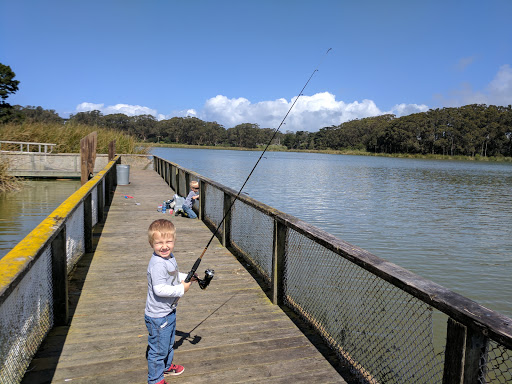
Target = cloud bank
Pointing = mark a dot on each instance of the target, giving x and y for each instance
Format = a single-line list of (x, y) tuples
[(311, 113)]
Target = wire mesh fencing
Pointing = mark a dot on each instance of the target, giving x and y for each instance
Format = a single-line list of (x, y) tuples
[(383, 332), (33, 295), (26, 316), (252, 235)]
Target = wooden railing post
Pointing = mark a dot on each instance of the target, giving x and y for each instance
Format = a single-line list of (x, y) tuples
[(173, 178), (101, 201), (88, 223), (278, 262), (202, 196), (455, 350), (187, 183), (475, 356), (226, 232), (178, 181), (60, 279)]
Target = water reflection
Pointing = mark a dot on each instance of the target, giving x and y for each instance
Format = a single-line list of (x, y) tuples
[(22, 211)]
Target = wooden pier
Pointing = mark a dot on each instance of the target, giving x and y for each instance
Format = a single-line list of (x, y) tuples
[(228, 333)]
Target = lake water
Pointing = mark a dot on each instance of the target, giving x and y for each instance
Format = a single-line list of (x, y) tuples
[(22, 211), (448, 221)]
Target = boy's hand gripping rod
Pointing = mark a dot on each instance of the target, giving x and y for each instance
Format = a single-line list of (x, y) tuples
[(198, 261)]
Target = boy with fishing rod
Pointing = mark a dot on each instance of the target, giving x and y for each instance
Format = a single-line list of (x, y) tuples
[(165, 287)]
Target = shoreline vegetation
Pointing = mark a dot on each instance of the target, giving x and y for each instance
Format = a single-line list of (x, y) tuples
[(469, 133), (67, 137), (353, 152)]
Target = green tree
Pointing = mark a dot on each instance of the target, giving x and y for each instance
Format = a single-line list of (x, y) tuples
[(7, 86), (38, 114)]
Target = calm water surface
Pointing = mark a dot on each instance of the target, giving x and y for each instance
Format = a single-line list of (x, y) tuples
[(22, 211), (448, 221)]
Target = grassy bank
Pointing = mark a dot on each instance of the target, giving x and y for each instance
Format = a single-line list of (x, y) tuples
[(67, 137), (281, 148)]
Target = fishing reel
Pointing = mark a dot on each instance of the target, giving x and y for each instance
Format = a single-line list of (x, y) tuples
[(208, 276)]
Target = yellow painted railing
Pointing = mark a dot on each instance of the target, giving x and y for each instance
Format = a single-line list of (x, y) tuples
[(34, 274)]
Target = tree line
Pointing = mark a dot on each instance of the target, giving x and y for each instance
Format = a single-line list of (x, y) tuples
[(470, 130)]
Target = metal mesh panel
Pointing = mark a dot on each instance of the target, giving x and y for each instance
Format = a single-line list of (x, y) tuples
[(497, 367), (75, 241), (252, 233), (26, 316), (214, 205), (94, 206), (382, 331)]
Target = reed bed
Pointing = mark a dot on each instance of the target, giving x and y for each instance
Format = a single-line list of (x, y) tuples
[(7, 182), (68, 136)]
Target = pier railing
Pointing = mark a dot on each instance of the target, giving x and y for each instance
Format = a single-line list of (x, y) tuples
[(25, 147), (388, 324), (34, 274)]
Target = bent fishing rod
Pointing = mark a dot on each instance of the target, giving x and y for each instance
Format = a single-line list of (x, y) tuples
[(198, 261)]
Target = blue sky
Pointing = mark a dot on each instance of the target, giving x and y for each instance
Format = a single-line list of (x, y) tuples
[(244, 61)]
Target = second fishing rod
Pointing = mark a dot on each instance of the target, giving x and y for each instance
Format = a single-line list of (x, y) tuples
[(209, 272)]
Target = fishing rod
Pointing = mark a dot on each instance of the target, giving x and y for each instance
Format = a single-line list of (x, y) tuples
[(209, 272)]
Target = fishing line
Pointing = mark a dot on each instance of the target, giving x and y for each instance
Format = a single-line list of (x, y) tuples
[(198, 261)]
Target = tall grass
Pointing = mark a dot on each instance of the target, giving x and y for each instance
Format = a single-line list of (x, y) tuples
[(68, 136), (7, 182)]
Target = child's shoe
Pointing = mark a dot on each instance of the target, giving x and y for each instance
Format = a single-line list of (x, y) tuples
[(162, 382), (174, 370)]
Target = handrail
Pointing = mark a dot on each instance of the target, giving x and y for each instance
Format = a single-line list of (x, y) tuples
[(28, 144), (34, 274), (471, 328)]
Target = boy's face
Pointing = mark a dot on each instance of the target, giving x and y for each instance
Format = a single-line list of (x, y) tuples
[(163, 246)]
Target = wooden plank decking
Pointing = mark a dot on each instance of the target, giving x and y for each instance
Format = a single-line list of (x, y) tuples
[(228, 333)]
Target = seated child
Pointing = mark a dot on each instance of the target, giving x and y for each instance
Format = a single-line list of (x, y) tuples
[(189, 201)]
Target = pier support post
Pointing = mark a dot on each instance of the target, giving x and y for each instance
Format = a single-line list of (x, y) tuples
[(88, 223), (278, 262), (60, 279), (101, 201), (226, 230), (202, 195), (454, 355)]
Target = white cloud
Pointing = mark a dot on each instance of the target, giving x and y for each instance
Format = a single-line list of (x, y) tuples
[(310, 113), (408, 109), (87, 107), (129, 110), (497, 92)]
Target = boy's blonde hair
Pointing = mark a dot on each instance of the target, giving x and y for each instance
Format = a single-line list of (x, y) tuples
[(162, 226), (194, 184)]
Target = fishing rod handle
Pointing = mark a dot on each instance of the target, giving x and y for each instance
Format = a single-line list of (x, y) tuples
[(193, 270)]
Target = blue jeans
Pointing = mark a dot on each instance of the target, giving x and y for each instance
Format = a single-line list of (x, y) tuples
[(190, 212), (162, 331)]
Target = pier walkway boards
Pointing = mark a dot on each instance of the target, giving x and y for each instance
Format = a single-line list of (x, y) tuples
[(228, 333)]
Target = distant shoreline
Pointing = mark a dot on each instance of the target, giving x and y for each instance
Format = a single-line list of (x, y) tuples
[(280, 148)]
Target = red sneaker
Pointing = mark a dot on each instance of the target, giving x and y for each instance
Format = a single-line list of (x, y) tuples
[(162, 382), (174, 370)]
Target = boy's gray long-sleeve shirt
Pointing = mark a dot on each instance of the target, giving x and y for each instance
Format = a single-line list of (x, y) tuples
[(164, 286)]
